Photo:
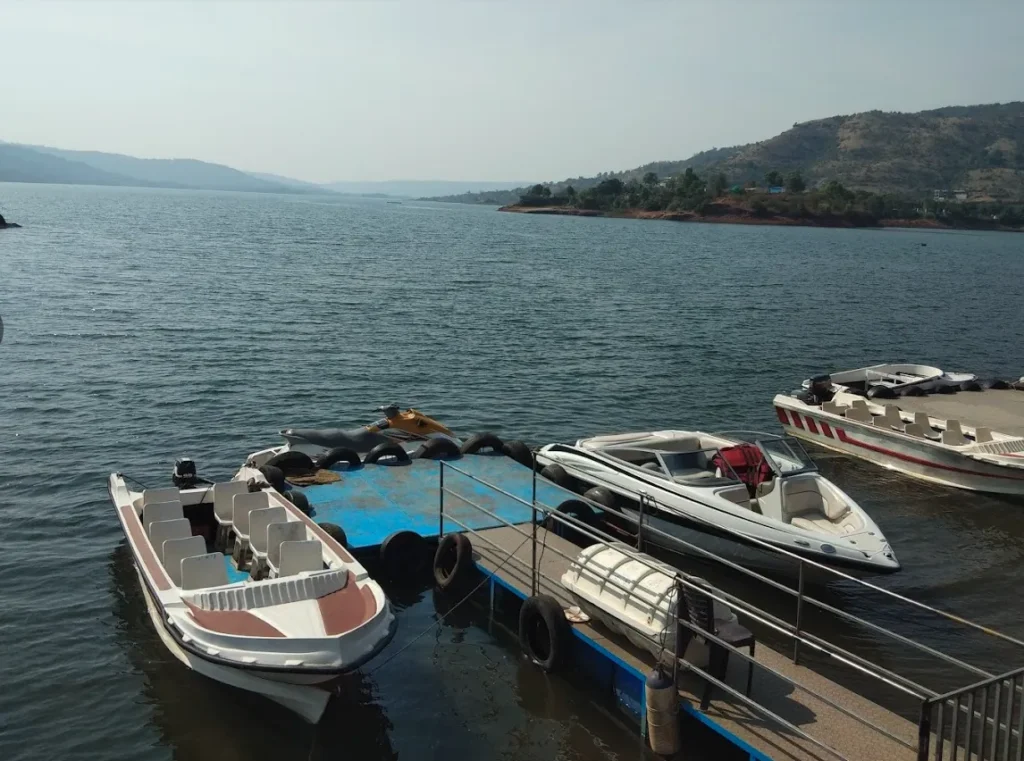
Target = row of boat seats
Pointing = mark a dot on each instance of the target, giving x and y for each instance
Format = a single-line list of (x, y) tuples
[(163, 494), (834, 408), (157, 512), (223, 500)]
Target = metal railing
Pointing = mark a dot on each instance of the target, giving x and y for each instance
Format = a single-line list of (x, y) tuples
[(932, 705)]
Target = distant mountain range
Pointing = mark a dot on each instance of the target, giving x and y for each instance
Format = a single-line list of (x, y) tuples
[(38, 163), (979, 149)]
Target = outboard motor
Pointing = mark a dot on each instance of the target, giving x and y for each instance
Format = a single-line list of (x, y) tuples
[(185, 476), (821, 389)]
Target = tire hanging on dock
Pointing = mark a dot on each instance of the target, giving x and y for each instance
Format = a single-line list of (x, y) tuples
[(602, 496), (479, 441), (274, 476), (404, 556), (453, 562), (297, 498), (336, 532), (544, 634), (291, 462), (520, 452), (388, 449), (557, 475)]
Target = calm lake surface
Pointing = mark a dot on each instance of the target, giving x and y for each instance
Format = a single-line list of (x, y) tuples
[(146, 324)]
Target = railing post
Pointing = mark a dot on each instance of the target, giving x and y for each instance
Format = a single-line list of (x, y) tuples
[(440, 511), (924, 730), (679, 631), (533, 531), (799, 613), (640, 524)]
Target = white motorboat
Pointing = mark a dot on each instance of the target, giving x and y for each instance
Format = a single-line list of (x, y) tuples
[(728, 495), (304, 613), (944, 438), (897, 378)]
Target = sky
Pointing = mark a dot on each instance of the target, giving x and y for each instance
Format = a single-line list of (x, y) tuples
[(429, 89)]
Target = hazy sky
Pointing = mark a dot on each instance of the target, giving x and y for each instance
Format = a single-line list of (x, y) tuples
[(480, 90)]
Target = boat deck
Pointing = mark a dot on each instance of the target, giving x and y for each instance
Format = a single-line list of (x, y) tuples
[(373, 501), (1001, 410), (758, 735)]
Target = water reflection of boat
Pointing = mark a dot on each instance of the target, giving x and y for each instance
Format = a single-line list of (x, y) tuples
[(201, 718)]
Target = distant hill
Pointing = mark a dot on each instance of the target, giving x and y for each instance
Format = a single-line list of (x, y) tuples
[(174, 173), (21, 164), (417, 188), (291, 182), (976, 148)]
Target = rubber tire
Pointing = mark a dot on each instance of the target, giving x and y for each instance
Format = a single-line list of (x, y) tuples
[(386, 449), (336, 532), (520, 452), (915, 391), (336, 455), (544, 634), (557, 475), (291, 462), (971, 386), (297, 498), (479, 441), (946, 388), (602, 496), (404, 556), (437, 449), (994, 383), (274, 476), (453, 562), (881, 392)]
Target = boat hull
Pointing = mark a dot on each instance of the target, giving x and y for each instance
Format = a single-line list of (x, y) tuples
[(914, 457), (308, 700)]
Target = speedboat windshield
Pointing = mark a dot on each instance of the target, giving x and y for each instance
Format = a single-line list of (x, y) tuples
[(786, 456)]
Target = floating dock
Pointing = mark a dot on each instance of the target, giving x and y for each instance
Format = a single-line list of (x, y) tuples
[(793, 712)]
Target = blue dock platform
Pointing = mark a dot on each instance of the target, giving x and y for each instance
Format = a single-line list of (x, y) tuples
[(372, 502)]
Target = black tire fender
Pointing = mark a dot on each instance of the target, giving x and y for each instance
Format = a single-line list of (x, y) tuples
[(520, 452), (336, 455), (602, 496), (453, 562), (479, 441), (544, 634), (291, 462), (404, 556), (297, 498), (436, 449), (274, 476), (557, 475), (336, 532), (386, 449)]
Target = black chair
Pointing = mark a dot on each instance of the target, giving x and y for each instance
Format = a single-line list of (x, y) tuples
[(700, 610)]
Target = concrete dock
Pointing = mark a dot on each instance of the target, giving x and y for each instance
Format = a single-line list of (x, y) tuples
[(753, 732)]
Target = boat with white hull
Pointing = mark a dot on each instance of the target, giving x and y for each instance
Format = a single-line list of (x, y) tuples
[(907, 436), (898, 378), (738, 499), (303, 614)]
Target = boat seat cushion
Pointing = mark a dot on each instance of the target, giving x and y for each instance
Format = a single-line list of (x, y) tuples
[(297, 557), (161, 531), (223, 496), (243, 505), (200, 571), (175, 550), (737, 494), (292, 531), (161, 511)]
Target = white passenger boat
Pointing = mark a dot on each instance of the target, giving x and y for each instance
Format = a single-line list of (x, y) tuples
[(727, 495), (304, 613), (946, 439), (898, 378)]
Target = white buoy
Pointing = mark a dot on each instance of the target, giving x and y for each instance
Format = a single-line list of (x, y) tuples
[(662, 714)]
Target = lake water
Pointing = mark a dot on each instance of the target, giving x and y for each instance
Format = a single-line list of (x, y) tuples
[(146, 324)]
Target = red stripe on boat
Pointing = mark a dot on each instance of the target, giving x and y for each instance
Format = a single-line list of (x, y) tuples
[(240, 622), (145, 549), (810, 425), (797, 421), (917, 460), (782, 415), (825, 429)]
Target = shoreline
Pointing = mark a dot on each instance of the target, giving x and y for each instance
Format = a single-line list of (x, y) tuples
[(753, 219)]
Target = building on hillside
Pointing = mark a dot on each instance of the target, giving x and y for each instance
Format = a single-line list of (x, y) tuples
[(960, 195), (776, 189), (940, 195)]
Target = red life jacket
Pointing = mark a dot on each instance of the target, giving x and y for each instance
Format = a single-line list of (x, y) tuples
[(746, 461)]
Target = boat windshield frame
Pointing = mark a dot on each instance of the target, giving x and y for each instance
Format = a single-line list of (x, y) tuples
[(794, 452), (666, 470)]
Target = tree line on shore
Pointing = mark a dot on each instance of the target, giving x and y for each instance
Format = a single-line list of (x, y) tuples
[(780, 196)]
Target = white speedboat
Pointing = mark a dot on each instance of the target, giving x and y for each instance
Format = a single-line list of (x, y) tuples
[(725, 494), (302, 615), (894, 378), (943, 438)]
